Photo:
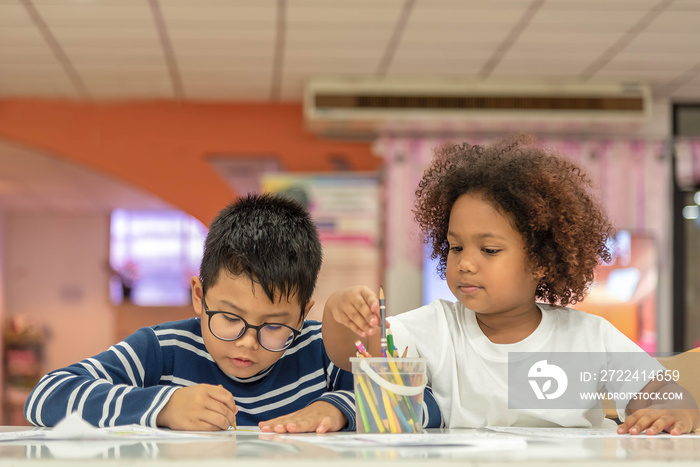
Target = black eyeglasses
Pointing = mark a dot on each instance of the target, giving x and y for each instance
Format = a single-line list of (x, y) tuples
[(227, 326)]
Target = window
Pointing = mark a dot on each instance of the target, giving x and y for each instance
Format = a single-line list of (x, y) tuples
[(153, 255)]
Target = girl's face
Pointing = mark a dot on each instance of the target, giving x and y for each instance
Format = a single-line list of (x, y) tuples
[(487, 268)]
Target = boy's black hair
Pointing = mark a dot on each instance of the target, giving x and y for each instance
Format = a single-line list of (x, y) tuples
[(268, 238)]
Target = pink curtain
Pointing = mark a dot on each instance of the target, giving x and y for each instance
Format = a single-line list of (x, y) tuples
[(688, 163), (632, 179)]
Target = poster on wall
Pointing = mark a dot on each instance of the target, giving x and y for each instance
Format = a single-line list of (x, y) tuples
[(346, 210)]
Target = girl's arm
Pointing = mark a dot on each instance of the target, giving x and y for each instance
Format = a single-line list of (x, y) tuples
[(350, 315)]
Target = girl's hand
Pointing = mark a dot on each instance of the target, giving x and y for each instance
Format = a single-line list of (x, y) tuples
[(357, 308), (652, 421)]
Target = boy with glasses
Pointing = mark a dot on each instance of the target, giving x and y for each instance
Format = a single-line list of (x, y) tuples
[(248, 358)]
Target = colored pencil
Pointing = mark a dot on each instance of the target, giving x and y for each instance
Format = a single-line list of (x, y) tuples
[(382, 317), (363, 412), (372, 408), (362, 349)]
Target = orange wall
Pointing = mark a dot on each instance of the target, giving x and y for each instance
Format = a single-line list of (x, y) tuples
[(162, 147)]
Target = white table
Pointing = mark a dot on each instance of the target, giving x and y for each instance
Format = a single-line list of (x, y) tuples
[(258, 450)]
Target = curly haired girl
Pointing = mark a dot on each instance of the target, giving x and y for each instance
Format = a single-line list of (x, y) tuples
[(518, 234)]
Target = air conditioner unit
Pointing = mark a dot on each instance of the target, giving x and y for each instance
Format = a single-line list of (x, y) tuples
[(355, 106)]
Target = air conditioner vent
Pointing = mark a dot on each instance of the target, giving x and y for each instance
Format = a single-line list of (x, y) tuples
[(345, 106), (329, 101)]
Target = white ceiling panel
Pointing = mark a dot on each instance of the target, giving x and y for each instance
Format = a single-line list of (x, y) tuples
[(122, 90), (426, 16), (71, 3), (658, 76), (26, 55), (249, 93), (20, 36), (47, 71), (459, 5), (605, 5), (265, 50), (115, 58), (168, 46), (685, 5), (241, 77), (448, 38), (14, 15), (659, 44), (676, 22), (105, 37), (38, 87), (325, 39), (584, 21), (87, 15), (220, 16), (222, 39), (331, 14)]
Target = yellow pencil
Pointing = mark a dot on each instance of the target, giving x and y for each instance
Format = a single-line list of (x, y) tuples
[(390, 415), (370, 403), (411, 414)]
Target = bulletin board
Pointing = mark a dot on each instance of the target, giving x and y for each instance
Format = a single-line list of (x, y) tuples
[(345, 208)]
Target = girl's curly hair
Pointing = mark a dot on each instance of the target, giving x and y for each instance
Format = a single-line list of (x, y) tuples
[(546, 197)]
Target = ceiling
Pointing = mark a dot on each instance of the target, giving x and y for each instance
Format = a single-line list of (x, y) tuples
[(265, 50)]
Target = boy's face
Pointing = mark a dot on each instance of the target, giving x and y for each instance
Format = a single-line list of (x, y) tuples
[(487, 268), (245, 356)]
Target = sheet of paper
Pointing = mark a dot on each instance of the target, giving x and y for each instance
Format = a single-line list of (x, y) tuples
[(558, 432), (73, 427), (476, 440)]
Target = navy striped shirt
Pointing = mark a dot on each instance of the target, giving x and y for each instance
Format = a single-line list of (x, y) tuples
[(134, 379)]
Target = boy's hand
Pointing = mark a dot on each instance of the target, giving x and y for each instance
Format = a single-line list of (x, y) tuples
[(656, 419), (320, 417), (202, 407), (357, 308)]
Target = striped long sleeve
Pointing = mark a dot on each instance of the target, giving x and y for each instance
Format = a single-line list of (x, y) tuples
[(133, 380)]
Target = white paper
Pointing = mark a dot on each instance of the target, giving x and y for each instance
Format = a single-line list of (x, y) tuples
[(475, 440), (559, 432), (73, 427)]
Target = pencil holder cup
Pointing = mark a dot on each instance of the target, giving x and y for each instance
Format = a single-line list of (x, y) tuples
[(389, 394)]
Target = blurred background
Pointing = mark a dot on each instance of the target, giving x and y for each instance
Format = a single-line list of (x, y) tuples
[(126, 125)]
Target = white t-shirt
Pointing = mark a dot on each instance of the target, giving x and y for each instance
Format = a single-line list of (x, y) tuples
[(469, 373)]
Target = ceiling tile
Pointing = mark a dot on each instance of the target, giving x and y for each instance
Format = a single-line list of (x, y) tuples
[(662, 43), (685, 5), (14, 15), (330, 15), (218, 17), (21, 36), (90, 15), (428, 17), (605, 5), (232, 45), (676, 22), (114, 89), (584, 21)]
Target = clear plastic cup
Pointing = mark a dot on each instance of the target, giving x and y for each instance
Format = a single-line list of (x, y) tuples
[(389, 394)]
